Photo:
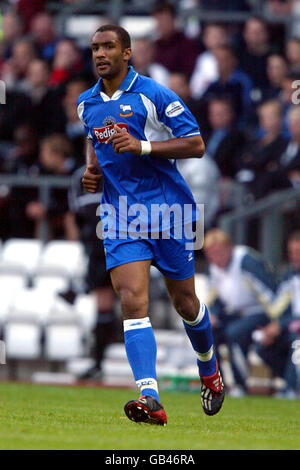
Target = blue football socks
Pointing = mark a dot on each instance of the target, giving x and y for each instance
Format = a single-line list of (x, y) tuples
[(200, 334), (141, 352)]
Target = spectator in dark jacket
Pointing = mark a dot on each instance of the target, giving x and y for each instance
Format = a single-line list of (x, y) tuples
[(225, 141), (259, 161), (173, 49)]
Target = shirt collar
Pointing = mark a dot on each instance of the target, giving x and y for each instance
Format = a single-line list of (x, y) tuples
[(126, 85)]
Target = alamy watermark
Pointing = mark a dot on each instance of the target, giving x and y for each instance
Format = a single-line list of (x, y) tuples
[(296, 94), (138, 221), (2, 92)]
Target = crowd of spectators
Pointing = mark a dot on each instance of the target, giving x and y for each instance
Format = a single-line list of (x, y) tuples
[(238, 80)]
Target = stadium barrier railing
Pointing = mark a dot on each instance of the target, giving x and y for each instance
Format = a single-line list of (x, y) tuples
[(270, 213)]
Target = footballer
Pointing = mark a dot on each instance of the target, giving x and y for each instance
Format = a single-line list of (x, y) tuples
[(136, 130)]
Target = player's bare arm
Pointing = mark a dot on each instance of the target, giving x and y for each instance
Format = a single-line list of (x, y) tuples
[(178, 148), (93, 174)]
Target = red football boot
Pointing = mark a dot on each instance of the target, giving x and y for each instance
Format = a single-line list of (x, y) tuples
[(212, 393), (146, 410)]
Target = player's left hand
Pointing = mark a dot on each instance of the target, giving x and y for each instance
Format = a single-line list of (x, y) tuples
[(123, 142)]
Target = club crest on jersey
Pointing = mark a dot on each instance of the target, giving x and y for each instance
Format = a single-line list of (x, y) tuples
[(124, 108), (174, 109), (109, 120), (103, 133)]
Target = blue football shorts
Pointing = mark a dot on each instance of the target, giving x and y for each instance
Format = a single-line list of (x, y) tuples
[(170, 256)]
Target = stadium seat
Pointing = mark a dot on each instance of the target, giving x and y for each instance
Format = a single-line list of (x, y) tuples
[(22, 341), (85, 307), (63, 258), (20, 255), (5, 304), (78, 366), (63, 342), (31, 306), (10, 282), (140, 26), (50, 283)]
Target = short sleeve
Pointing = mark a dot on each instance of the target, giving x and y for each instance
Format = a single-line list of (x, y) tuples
[(80, 112), (173, 112)]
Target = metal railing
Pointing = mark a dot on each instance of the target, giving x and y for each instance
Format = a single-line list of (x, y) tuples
[(113, 10), (44, 184), (270, 212), (237, 221), (231, 195)]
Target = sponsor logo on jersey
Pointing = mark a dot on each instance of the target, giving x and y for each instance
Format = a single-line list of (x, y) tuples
[(104, 133), (124, 108), (174, 109)]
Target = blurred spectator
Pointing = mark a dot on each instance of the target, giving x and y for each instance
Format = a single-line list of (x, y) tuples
[(293, 54), (45, 102), (241, 292), (16, 112), (179, 83), (12, 28), (289, 162), (276, 340), (225, 5), (71, 124), (254, 53), (22, 160), (16, 67), (206, 67), (232, 83), (202, 176), (280, 7), (67, 62), (225, 141), (173, 49), (286, 99), (277, 71), (260, 158), (44, 35), (54, 159), (28, 10), (143, 61)]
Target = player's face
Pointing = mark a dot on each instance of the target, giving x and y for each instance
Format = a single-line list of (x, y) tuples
[(108, 55)]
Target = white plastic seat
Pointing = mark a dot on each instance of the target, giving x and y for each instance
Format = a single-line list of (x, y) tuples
[(12, 282), (22, 341), (50, 283), (63, 342), (85, 306), (31, 305), (140, 26), (63, 258), (20, 255), (5, 304)]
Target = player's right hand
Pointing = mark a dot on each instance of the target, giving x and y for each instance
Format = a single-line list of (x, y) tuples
[(91, 178)]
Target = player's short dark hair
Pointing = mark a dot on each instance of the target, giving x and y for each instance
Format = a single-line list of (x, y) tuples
[(122, 34)]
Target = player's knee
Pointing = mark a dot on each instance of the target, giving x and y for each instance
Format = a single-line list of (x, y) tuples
[(134, 304), (187, 305)]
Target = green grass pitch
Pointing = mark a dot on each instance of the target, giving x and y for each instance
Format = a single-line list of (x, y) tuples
[(48, 417)]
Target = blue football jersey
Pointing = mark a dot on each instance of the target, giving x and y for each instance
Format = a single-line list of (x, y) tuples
[(149, 111)]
